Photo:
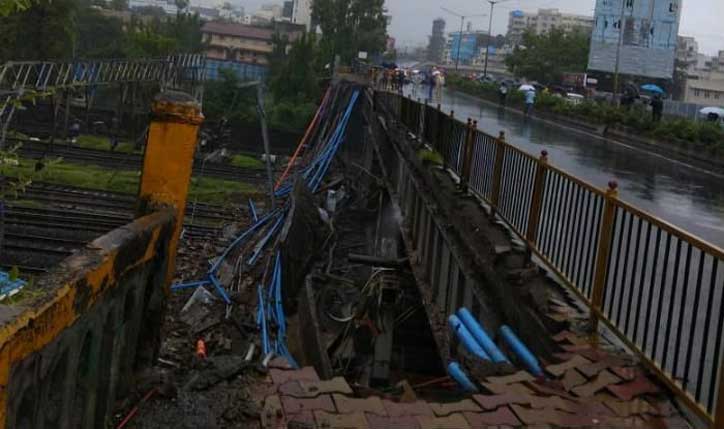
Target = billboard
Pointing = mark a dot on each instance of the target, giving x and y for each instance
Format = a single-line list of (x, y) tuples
[(647, 33), (468, 46)]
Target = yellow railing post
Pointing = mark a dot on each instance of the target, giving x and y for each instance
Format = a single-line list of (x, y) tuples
[(603, 252), (536, 200), (168, 161), (468, 155), (497, 172)]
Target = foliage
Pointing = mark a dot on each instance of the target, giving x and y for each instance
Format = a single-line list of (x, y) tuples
[(72, 29), (8, 7), (119, 4), (637, 118), (430, 156), (208, 190), (43, 31), (245, 161), (350, 26), (103, 143), (223, 98), (294, 77), (544, 58)]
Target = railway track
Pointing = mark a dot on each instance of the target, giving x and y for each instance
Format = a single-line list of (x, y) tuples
[(125, 161), (37, 238)]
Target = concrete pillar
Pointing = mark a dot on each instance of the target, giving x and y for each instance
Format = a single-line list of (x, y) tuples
[(168, 161)]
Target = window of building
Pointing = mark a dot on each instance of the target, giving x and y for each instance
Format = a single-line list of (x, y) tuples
[(697, 93), (707, 94)]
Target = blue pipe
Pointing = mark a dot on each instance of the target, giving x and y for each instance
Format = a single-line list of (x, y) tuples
[(481, 336), (264, 241), (252, 209), (457, 373), (241, 238), (182, 286), (521, 351), (466, 338), (264, 335), (219, 288)]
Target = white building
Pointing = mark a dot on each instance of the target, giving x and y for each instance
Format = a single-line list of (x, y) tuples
[(545, 20), (302, 13), (168, 6)]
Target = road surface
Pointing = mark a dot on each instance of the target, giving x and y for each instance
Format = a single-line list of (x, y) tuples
[(690, 198)]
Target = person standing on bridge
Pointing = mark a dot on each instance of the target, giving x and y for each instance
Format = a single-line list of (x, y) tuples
[(529, 102), (431, 81), (657, 108)]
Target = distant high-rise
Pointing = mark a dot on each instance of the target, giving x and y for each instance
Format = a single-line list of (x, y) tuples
[(436, 49), (302, 13)]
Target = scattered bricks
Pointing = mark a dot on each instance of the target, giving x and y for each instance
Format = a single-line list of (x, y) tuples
[(550, 416), (501, 389), (310, 389), (676, 422), (280, 376), (663, 408), (295, 406), (303, 420), (627, 373), (572, 379), (518, 377), (340, 421), (604, 379), (594, 369), (390, 422), (639, 386), (591, 407), (635, 407), (441, 410), (501, 416), (272, 416), (561, 368), (551, 388), (280, 363), (592, 354), (571, 338), (553, 402), (347, 405), (455, 421), (398, 409), (491, 402)]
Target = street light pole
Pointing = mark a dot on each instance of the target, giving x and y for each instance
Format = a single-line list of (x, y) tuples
[(460, 38), (490, 36), (618, 52), (460, 42)]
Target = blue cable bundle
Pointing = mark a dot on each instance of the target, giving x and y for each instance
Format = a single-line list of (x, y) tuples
[(270, 311)]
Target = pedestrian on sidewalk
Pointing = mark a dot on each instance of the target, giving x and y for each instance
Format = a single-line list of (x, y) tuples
[(657, 108), (503, 93), (529, 102)]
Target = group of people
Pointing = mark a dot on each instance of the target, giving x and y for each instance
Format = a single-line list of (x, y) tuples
[(395, 79)]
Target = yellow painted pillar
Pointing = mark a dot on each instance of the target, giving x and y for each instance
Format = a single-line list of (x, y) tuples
[(168, 162)]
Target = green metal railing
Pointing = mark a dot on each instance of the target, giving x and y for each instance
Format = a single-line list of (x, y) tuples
[(657, 287)]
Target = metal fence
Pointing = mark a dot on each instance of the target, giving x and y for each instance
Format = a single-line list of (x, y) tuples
[(657, 287)]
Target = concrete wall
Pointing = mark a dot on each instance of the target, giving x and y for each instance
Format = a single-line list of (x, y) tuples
[(68, 353)]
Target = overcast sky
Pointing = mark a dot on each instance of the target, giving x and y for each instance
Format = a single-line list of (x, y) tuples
[(412, 19)]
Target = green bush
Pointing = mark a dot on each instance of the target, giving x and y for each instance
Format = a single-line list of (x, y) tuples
[(636, 118)]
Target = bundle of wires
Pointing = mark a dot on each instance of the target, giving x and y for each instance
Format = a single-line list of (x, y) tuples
[(270, 310)]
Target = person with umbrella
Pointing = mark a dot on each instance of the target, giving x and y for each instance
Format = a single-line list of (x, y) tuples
[(657, 107), (529, 100)]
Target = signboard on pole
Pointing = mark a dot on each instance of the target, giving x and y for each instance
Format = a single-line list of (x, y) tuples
[(639, 36)]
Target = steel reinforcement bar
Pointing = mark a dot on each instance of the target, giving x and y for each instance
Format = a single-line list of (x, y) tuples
[(658, 288)]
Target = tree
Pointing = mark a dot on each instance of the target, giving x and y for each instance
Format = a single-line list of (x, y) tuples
[(295, 77), (119, 4), (350, 26), (544, 58), (99, 36), (44, 31)]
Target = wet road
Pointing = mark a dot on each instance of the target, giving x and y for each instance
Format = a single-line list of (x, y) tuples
[(684, 196)]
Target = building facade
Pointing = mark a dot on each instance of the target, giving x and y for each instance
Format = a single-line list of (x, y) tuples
[(687, 52), (168, 6), (302, 13), (466, 43), (436, 48), (647, 32), (545, 20), (239, 47)]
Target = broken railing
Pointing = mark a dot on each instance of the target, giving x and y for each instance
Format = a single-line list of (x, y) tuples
[(659, 288)]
